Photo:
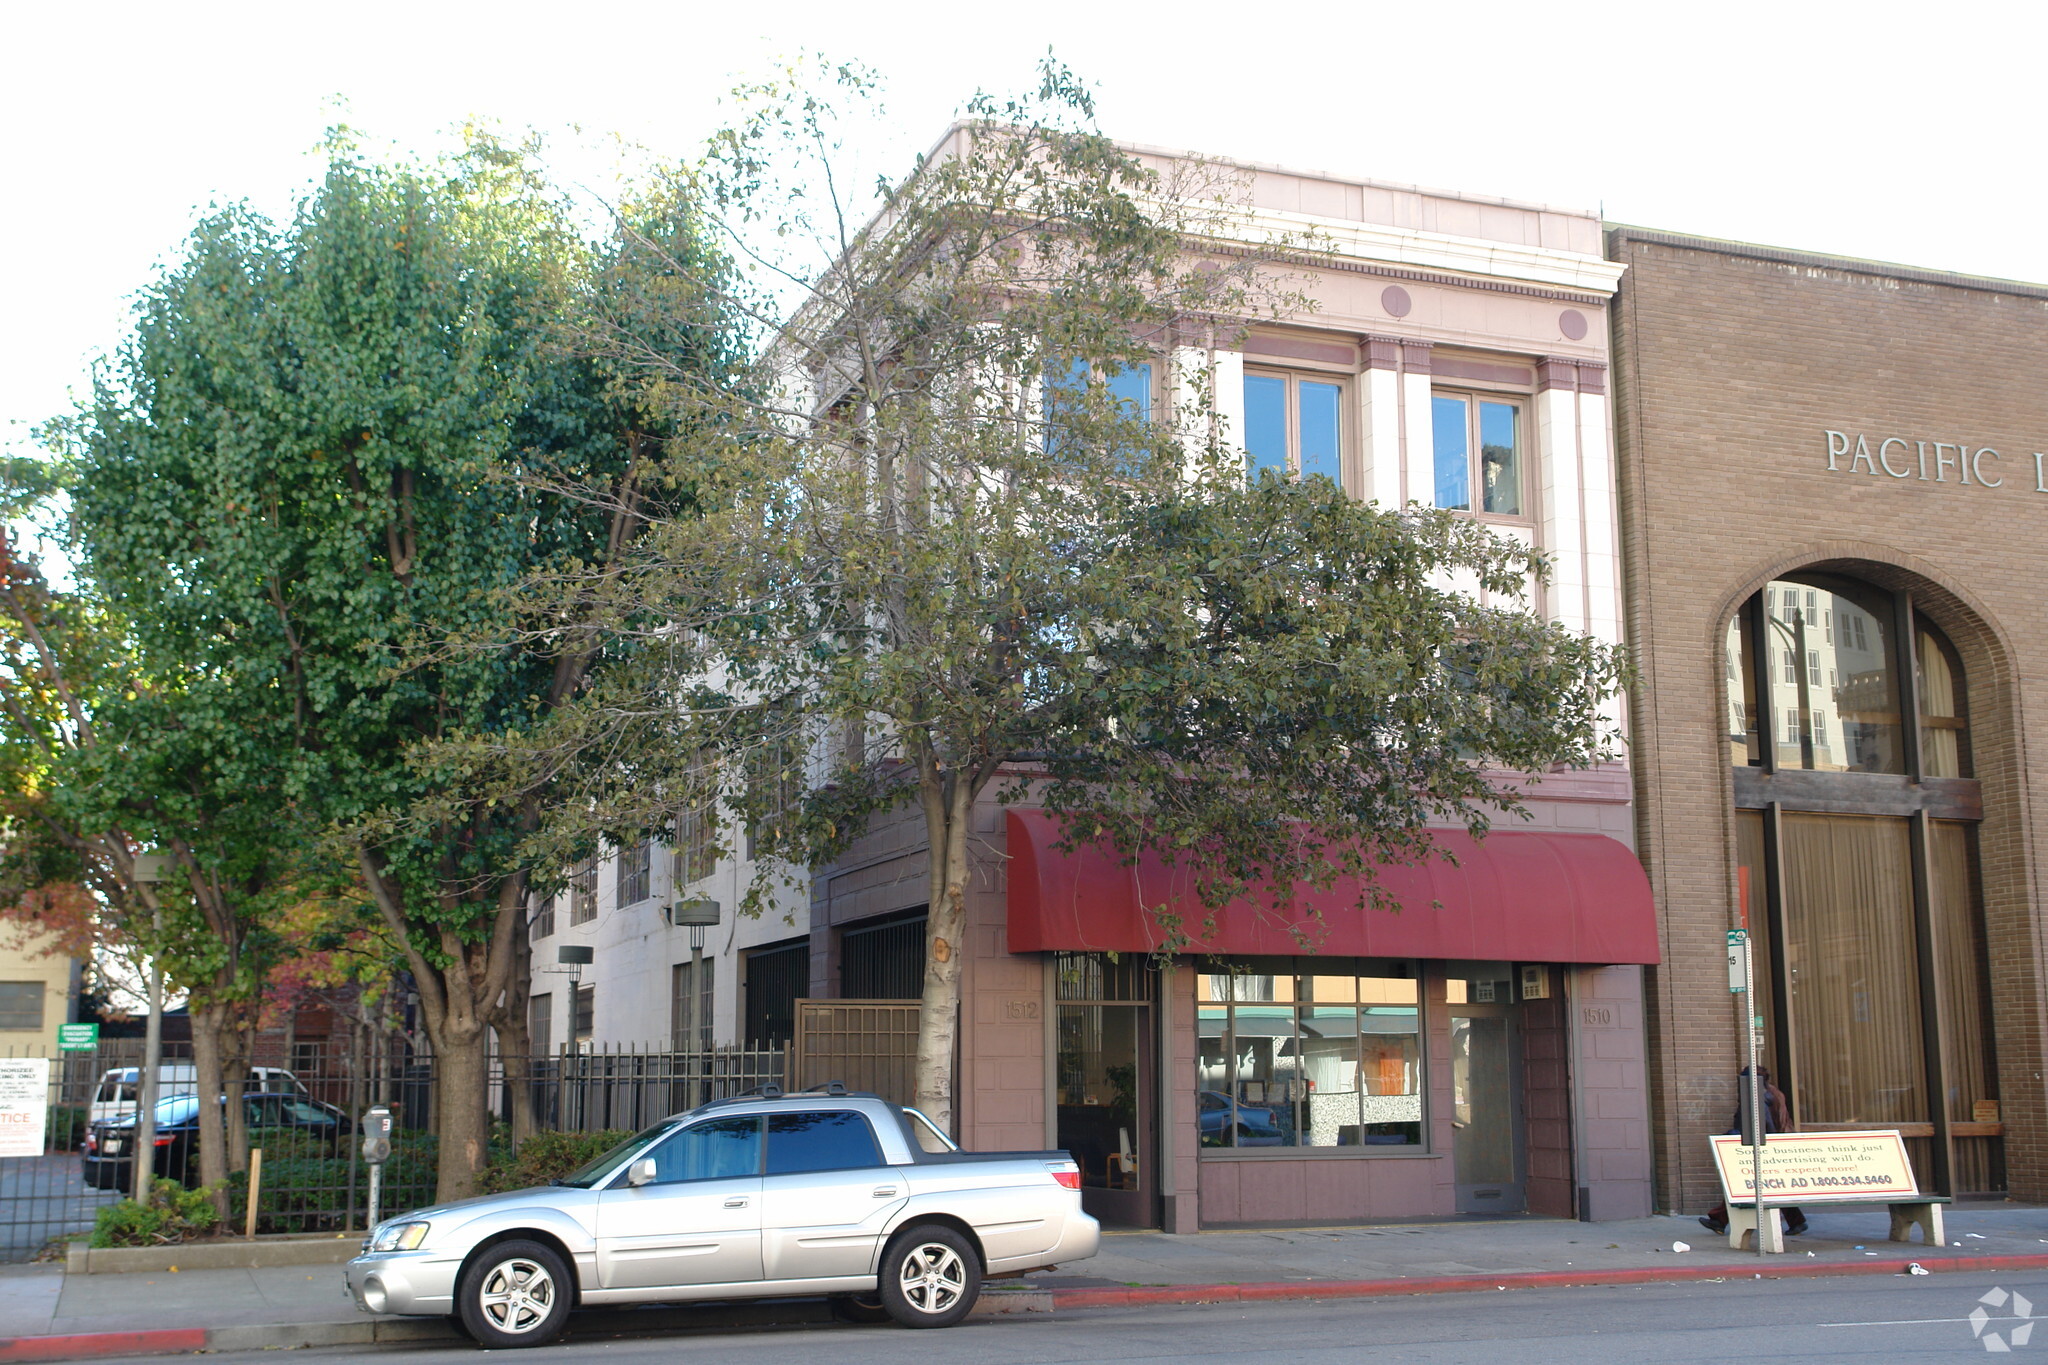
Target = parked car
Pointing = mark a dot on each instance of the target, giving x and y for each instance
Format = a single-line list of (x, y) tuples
[(1257, 1125), (117, 1092), (109, 1155), (768, 1195)]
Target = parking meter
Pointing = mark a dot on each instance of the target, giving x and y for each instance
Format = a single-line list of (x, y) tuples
[(376, 1151), (377, 1135)]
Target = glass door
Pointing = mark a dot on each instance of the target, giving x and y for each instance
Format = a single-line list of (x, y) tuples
[(1105, 1111), (1486, 1109)]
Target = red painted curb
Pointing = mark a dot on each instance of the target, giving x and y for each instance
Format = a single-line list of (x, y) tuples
[(92, 1345), (1527, 1279)]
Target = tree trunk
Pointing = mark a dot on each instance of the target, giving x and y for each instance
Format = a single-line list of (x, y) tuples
[(947, 803), (515, 1038), (237, 1048), (462, 1109), (208, 1022)]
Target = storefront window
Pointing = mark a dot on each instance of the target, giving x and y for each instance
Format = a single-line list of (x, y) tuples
[(1308, 1053)]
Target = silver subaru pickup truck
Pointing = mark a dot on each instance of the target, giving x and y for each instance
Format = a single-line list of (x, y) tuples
[(767, 1195)]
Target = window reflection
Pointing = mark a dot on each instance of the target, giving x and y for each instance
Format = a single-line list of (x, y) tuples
[(1309, 1055), (1500, 461), (1448, 424), (1832, 671)]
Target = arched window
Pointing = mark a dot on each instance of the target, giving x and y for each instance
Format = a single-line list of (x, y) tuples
[(1857, 820)]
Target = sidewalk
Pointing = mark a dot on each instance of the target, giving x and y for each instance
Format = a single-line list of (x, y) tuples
[(45, 1315)]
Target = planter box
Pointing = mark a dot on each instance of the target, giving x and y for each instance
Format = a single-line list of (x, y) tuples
[(220, 1253)]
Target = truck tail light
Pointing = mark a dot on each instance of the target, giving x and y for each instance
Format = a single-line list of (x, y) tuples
[(164, 1141), (1066, 1173), (92, 1144)]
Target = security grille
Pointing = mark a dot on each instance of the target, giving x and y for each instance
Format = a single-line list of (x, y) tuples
[(883, 961)]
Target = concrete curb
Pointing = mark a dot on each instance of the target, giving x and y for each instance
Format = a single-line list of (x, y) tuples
[(1528, 1279), (224, 1254), (368, 1331)]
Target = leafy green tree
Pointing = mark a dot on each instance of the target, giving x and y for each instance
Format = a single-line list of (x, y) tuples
[(972, 529), (324, 450)]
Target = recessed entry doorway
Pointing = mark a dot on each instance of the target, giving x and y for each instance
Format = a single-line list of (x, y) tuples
[(1488, 1146), (1105, 1083)]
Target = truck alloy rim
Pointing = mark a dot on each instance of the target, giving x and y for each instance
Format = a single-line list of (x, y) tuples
[(933, 1278), (518, 1295)]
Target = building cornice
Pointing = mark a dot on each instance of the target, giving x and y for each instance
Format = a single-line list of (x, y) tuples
[(1852, 265), (1407, 253)]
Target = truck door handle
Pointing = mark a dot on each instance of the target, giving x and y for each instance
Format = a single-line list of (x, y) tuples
[(738, 1201), (885, 1191)]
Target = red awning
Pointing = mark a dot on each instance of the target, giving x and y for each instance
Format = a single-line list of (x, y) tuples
[(1518, 896)]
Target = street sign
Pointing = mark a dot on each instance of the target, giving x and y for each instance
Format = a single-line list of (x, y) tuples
[(24, 1105), (78, 1037), (1738, 960)]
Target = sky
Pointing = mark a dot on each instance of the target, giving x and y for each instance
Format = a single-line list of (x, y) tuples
[(1909, 134)]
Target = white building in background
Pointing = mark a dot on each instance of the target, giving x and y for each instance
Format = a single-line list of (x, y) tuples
[(652, 980)]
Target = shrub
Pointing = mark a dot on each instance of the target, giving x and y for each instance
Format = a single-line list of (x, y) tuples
[(309, 1187), (544, 1157), (67, 1127), (173, 1214)]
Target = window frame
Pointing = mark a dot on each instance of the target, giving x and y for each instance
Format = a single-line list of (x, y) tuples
[(1525, 451), (583, 892), (39, 992), (1347, 421), (633, 875)]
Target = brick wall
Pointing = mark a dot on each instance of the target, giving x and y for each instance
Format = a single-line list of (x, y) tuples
[(1731, 364)]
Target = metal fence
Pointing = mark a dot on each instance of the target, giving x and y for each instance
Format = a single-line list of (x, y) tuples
[(868, 1044), (312, 1095)]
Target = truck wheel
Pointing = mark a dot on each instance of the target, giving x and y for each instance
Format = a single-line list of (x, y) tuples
[(930, 1277), (859, 1308), (515, 1294)]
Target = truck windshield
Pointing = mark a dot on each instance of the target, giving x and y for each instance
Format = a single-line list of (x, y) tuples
[(583, 1177)]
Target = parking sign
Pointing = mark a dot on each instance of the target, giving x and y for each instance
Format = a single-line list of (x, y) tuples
[(24, 1105)]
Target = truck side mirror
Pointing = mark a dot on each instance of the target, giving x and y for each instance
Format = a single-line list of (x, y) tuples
[(641, 1172)]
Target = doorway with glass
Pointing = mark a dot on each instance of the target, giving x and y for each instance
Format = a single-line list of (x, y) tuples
[(1106, 1046)]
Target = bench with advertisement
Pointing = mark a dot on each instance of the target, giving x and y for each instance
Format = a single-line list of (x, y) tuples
[(1799, 1169)]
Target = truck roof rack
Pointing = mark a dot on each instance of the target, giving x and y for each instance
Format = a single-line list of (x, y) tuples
[(771, 1091)]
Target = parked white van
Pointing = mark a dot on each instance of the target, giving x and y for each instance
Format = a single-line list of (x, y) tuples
[(116, 1094)]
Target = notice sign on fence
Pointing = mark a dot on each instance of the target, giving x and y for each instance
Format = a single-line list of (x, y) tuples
[(24, 1105), (1807, 1168)]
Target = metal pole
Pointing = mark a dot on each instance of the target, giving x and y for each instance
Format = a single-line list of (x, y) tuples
[(1757, 1117), (376, 1192), (696, 1038)]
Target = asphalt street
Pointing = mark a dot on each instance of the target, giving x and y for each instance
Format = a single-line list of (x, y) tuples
[(1853, 1318)]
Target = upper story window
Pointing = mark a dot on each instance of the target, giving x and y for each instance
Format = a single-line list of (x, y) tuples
[(1825, 651), (1478, 454), (583, 892), (635, 879), (1294, 423), (1131, 386)]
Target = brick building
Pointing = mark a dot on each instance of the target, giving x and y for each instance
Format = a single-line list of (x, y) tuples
[(1832, 506)]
